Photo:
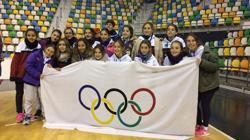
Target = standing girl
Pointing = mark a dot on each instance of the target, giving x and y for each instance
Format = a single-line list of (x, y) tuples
[(53, 39), (127, 34), (63, 54), (145, 56), (82, 51), (1, 57), (120, 54), (172, 32), (89, 36), (175, 55), (156, 45), (208, 82), (17, 70), (33, 68), (110, 24), (99, 53), (70, 36), (107, 42)]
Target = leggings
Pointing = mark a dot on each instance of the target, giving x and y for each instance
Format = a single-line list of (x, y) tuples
[(204, 110), (19, 97)]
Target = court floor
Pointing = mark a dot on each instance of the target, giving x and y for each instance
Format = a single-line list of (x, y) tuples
[(9, 130)]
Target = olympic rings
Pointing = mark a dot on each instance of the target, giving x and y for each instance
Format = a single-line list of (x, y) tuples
[(153, 104), (95, 117), (120, 119), (121, 108), (124, 96), (96, 91)]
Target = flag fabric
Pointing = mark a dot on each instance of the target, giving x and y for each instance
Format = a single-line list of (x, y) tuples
[(122, 96)]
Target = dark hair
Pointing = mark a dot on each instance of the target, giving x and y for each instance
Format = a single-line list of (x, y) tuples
[(99, 46), (198, 41), (173, 25), (81, 39), (30, 30), (145, 41), (58, 31), (130, 28), (50, 45), (150, 24), (88, 50), (68, 28), (91, 30), (176, 41), (110, 21)]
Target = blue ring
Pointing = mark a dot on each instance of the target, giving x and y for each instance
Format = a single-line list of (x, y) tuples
[(98, 95)]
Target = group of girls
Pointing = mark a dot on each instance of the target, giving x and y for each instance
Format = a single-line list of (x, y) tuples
[(31, 55)]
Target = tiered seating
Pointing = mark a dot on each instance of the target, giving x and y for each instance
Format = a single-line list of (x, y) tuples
[(192, 13), (17, 16), (94, 13), (234, 51)]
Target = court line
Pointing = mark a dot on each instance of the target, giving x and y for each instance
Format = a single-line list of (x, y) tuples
[(226, 135)]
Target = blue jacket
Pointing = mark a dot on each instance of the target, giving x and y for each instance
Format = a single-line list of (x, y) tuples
[(34, 68)]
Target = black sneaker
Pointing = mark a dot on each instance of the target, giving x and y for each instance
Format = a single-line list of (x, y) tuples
[(38, 114)]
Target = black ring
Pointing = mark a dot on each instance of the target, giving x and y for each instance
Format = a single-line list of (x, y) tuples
[(124, 96), (96, 91)]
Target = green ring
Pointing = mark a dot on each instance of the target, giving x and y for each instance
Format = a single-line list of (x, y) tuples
[(120, 119)]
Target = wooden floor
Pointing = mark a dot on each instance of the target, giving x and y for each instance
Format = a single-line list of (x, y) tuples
[(9, 130)]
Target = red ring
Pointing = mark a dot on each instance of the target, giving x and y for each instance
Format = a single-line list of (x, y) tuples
[(153, 105)]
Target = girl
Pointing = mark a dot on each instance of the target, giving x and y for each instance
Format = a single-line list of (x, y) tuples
[(81, 51), (208, 81), (1, 57), (70, 36), (90, 37), (145, 56), (17, 71), (99, 53), (127, 34), (175, 55), (53, 39), (110, 24), (172, 32), (33, 68), (63, 54), (107, 42), (156, 45), (120, 54)]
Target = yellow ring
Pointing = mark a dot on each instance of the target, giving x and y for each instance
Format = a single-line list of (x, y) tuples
[(95, 117)]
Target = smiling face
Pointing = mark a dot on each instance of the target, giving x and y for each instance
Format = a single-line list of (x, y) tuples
[(81, 46), (126, 33), (88, 34), (49, 52), (109, 26), (175, 49), (144, 49), (147, 30), (191, 43), (118, 49), (31, 36), (104, 35), (68, 33), (171, 32), (55, 36), (98, 54), (62, 46)]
